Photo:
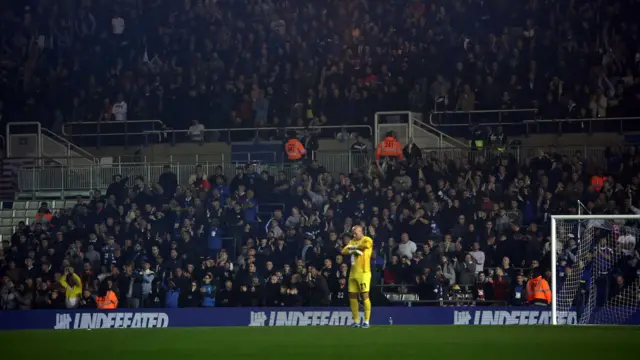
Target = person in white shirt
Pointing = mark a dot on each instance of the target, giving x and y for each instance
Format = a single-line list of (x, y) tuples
[(478, 256), (627, 244), (119, 109), (117, 25), (406, 247), (196, 131)]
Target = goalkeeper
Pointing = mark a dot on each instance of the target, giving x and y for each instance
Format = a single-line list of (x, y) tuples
[(360, 248)]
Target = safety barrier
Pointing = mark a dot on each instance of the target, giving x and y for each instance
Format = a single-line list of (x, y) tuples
[(527, 121), (85, 178), (110, 133), (263, 317), (249, 134)]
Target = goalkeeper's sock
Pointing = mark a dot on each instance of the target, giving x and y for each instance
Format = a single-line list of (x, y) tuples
[(367, 310), (353, 304)]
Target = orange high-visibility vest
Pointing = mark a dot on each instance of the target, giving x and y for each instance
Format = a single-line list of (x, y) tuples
[(389, 147), (107, 302), (538, 290), (44, 216), (598, 182), (294, 149)]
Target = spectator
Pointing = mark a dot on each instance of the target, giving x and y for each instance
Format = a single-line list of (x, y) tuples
[(8, 295), (448, 270), (406, 248), (72, 286), (196, 131), (320, 293), (191, 297), (466, 271), (88, 301), (518, 291), (106, 298), (208, 291)]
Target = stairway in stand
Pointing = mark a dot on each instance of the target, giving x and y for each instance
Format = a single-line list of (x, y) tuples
[(9, 177)]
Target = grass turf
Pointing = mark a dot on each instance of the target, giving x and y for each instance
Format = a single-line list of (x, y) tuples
[(380, 342)]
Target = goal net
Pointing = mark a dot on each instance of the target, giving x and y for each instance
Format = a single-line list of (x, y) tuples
[(596, 272)]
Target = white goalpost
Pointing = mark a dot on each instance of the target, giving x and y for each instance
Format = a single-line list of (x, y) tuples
[(589, 257)]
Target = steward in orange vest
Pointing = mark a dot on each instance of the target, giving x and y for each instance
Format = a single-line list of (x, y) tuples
[(106, 299), (597, 181), (538, 291), (389, 147), (294, 148)]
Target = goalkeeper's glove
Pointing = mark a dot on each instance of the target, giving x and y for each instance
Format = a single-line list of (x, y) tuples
[(353, 247), (356, 252)]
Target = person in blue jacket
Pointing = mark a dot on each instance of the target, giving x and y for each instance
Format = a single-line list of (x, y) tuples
[(208, 291), (172, 295)]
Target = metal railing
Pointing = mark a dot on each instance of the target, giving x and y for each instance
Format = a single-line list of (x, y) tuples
[(110, 133), (106, 128), (245, 134), (481, 117), (445, 139), (587, 125), (71, 149), (530, 123), (83, 178)]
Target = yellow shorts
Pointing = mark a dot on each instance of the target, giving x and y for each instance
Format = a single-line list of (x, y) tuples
[(359, 283)]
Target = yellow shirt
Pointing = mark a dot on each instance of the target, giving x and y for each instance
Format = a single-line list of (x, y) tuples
[(360, 264)]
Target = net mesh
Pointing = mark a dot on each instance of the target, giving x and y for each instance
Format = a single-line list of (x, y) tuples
[(597, 271)]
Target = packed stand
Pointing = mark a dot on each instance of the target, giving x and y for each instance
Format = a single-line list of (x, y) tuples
[(245, 63), (450, 231)]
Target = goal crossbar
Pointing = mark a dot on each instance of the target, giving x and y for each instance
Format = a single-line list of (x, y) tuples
[(554, 250)]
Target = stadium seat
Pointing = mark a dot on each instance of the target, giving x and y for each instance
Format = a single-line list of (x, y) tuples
[(33, 205), (20, 205), (6, 213), (409, 297)]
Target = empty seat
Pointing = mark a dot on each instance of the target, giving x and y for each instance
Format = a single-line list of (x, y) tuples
[(20, 205), (6, 231), (6, 221), (33, 205), (20, 213), (409, 297), (6, 213), (31, 214), (393, 297)]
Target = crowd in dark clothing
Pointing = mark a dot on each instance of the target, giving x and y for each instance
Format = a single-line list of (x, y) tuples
[(244, 63), (446, 229)]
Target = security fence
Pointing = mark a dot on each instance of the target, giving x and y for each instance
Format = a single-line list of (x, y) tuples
[(84, 178)]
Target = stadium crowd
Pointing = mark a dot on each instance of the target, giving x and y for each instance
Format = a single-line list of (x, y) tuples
[(245, 63), (472, 228), (445, 229)]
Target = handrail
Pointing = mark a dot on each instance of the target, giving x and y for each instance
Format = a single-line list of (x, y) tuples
[(172, 132), (484, 111), (106, 123), (69, 145), (499, 112), (441, 134), (589, 122), (3, 143), (168, 131)]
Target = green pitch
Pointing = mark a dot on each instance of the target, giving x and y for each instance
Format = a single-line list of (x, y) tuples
[(381, 342)]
